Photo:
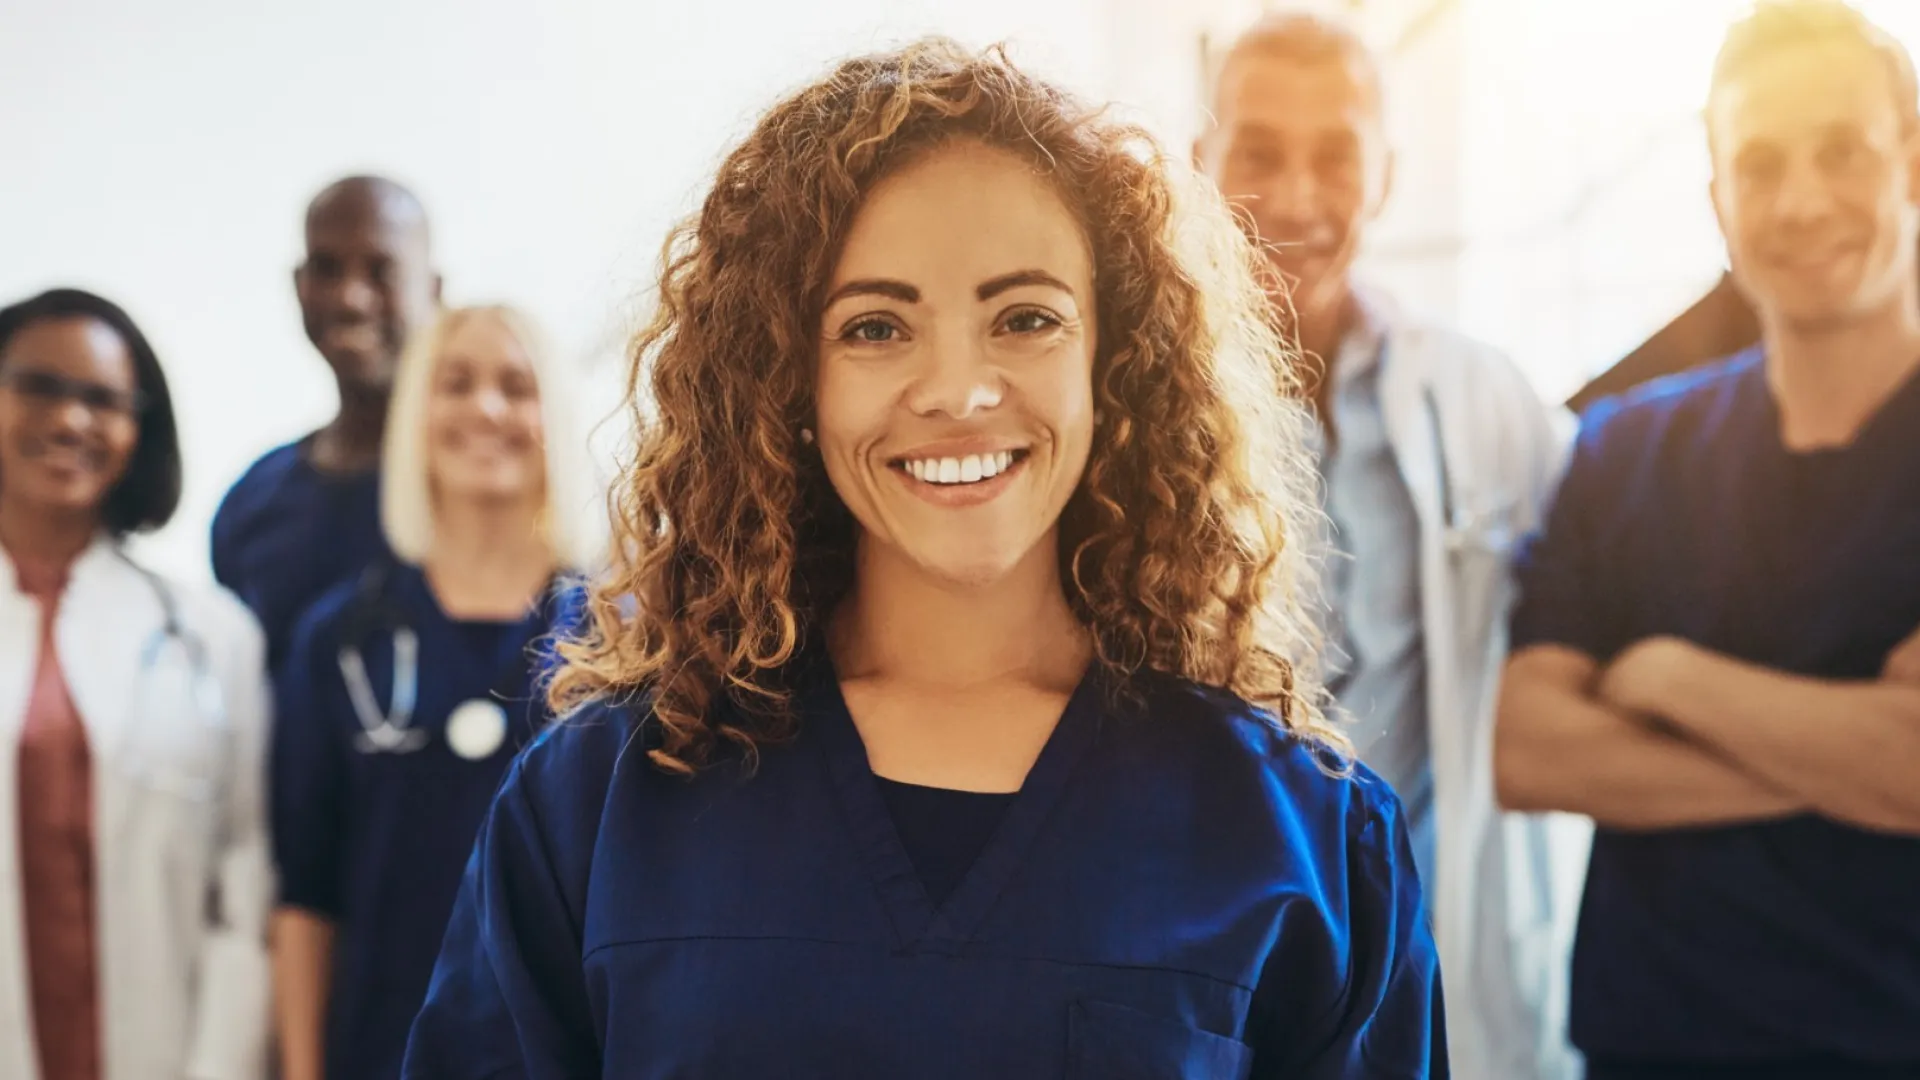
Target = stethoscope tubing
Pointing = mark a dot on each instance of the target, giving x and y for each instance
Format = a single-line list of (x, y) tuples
[(208, 697), (390, 731)]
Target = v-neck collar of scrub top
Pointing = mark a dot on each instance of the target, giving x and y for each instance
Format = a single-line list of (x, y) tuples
[(917, 925)]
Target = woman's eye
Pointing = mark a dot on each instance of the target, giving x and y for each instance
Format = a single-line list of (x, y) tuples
[(871, 332), (1030, 322)]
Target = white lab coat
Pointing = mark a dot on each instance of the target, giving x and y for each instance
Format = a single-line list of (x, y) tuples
[(1481, 453), (182, 881)]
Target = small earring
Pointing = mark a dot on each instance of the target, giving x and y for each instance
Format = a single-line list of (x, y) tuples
[(806, 436)]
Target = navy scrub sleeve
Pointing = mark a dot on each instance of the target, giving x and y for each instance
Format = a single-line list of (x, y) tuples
[(1180, 894), (285, 533)]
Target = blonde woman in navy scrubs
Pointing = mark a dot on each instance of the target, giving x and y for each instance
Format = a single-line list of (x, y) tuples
[(407, 690), (970, 731)]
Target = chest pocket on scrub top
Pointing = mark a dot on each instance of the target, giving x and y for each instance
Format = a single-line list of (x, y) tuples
[(1113, 1042)]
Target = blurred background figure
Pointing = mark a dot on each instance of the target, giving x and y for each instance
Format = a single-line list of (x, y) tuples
[(306, 515), (1436, 454), (408, 688), (133, 847), (1718, 644)]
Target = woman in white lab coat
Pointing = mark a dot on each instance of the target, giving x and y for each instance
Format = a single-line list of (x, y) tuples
[(134, 875)]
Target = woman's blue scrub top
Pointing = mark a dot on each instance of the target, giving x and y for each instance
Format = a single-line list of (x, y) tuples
[(376, 842), (1178, 891)]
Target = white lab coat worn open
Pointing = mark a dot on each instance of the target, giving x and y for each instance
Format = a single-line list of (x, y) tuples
[(1481, 453), (182, 874)]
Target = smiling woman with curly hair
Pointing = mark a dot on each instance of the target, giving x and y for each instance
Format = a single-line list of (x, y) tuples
[(951, 708)]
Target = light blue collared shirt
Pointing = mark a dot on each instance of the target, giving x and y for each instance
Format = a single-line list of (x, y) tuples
[(1377, 664)]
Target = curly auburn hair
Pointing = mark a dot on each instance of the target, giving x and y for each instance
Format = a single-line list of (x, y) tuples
[(1179, 550)]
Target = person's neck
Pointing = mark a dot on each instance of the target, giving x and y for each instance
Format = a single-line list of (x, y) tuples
[(900, 624), (488, 561), (1322, 324), (351, 441), (42, 537), (1829, 380)]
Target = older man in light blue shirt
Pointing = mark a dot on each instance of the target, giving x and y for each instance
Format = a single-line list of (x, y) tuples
[(1378, 664), (1436, 453)]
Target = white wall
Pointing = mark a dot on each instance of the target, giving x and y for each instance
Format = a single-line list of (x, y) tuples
[(161, 154)]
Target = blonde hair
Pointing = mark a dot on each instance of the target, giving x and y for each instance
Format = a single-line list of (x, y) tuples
[(1775, 26), (406, 495), (1184, 549)]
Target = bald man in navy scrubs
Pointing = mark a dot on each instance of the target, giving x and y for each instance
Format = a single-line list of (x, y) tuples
[(1715, 647), (307, 515)]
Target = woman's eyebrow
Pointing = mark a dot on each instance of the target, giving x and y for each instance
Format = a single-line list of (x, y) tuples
[(892, 290), (993, 287)]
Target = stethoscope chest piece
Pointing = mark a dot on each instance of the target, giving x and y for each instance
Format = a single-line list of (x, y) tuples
[(477, 728)]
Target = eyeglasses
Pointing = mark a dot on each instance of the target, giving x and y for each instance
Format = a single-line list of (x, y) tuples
[(47, 389)]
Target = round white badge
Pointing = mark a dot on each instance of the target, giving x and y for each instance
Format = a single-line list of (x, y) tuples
[(477, 728)]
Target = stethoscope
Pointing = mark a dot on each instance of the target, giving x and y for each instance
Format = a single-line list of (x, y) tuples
[(1463, 529), (203, 690), (475, 729)]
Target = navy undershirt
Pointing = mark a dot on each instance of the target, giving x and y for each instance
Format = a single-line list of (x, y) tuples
[(484, 638), (943, 830)]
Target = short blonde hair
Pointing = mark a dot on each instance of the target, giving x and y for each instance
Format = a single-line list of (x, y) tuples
[(406, 495), (1775, 26)]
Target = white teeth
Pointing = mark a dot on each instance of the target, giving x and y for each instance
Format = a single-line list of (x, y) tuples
[(966, 470), (62, 456)]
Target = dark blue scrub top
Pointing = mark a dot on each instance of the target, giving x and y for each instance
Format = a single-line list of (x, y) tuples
[(1682, 513), (286, 532), (1179, 893), (376, 841)]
